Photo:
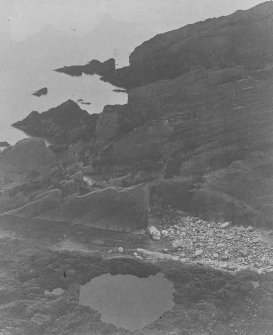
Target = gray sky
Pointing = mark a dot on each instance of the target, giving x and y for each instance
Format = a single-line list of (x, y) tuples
[(22, 18)]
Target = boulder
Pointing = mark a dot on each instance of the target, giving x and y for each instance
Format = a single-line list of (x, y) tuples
[(154, 233), (113, 208), (64, 124), (27, 156), (45, 202)]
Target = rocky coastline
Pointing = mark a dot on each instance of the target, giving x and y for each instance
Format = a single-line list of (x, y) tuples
[(178, 181)]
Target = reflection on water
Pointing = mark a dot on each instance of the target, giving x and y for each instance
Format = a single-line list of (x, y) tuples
[(127, 301)]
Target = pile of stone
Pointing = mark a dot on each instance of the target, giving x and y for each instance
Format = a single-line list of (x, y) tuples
[(221, 245)]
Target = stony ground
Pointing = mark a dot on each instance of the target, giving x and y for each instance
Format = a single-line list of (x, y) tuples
[(207, 301), (221, 245)]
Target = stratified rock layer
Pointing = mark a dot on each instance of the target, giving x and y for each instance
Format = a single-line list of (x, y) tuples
[(210, 133), (113, 208)]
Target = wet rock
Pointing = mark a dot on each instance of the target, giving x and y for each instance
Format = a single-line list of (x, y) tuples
[(154, 233)]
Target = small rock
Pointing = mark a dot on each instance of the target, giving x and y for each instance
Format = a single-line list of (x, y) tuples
[(210, 232), (249, 228), (164, 233), (244, 252), (215, 255), (233, 266), (221, 245), (224, 225), (198, 252), (225, 258), (256, 240), (120, 249), (181, 243), (154, 233)]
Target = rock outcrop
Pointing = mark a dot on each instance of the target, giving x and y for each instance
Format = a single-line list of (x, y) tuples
[(210, 135), (40, 92), (243, 38), (112, 208), (66, 123), (106, 68)]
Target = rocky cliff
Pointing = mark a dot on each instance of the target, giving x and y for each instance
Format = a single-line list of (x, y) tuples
[(243, 38), (200, 131), (209, 135)]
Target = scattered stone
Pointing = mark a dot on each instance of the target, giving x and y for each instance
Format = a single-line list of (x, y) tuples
[(198, 252), (224, 225), (181, 243), (164, 233), (215, 255), (154, 233), (120, 249), (244, 252)]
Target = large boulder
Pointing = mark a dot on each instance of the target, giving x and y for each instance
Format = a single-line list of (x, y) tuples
[(27, 157), (66, 123), (113, 208)]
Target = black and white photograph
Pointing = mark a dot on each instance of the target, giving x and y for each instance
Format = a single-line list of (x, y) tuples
[(136, 167)]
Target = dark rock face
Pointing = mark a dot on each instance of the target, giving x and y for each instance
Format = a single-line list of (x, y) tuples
[(210, 134), (93, 67), (63, 124), (243, 38), (42, 91)]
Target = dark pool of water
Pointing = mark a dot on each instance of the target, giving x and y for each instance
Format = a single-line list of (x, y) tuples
[(127, 301)]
